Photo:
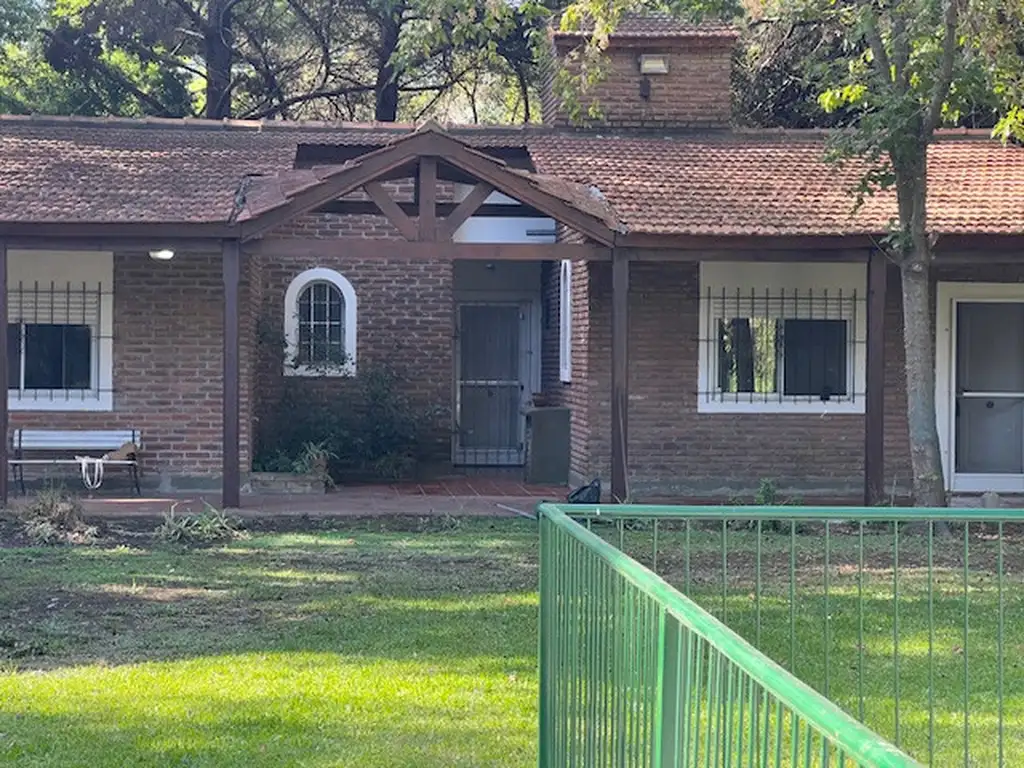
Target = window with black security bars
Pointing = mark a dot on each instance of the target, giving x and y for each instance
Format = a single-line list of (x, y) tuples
[(779, 346), (321, 324), (58, 342)]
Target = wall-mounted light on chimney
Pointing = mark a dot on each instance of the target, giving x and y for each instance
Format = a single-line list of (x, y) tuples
[(653, 64), (162, 254)]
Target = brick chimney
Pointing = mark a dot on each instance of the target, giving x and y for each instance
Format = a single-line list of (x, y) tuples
[(658, 72)]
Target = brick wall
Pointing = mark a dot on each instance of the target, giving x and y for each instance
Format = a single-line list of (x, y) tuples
[(695, 93), (168, 345), (673, 449), (405, 318), (677, 452)]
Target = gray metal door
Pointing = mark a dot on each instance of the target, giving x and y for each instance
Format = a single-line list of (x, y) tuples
[(990, 388), (491, 364)]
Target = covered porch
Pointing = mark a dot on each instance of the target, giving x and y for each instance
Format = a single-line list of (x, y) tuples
[(268, 204)]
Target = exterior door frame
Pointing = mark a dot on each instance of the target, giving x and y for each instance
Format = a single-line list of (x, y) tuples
[(530, 358), (948, 295)]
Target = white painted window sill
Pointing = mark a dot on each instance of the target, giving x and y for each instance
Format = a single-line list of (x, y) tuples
[(817, 408), (68, 402), (347, 371)]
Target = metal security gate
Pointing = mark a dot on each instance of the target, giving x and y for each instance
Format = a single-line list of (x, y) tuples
[(492, 364)]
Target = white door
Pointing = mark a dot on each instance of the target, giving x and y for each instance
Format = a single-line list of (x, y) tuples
[(492, 365), (988, 407)]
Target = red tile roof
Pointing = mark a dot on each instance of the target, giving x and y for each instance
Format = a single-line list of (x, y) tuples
[(658, 26), (88, 170), (118, 170), (778, 184)]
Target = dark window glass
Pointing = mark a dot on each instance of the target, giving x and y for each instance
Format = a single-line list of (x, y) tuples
[(810, 355), (815, 358), (321, 325), (57, 356)]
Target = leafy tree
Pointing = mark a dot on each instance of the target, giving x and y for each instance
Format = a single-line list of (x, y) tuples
[(908, 65), (324, 59)]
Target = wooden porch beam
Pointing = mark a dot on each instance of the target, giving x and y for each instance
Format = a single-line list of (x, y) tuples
[(138, 245), (469, 205), (620, 375), (666, 244), (360, 248), (119, 235), (874, 403), (4, 469), (427, 199), (231, 454), (444, 210), (766, 255), (405, 226)]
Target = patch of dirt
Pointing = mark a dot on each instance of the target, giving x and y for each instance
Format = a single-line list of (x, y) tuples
[(11, 534)]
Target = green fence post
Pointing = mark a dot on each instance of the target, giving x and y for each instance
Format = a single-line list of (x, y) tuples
[(544, 655), (668, 719)]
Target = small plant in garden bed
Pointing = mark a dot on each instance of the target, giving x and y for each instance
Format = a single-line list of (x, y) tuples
[(211, 526), (53, 516), (315, 460)]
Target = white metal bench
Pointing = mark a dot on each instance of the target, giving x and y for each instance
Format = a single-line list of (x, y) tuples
[(91, 449)]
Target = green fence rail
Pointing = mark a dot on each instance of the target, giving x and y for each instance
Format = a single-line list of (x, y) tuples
[(633, 673), (909, 620)]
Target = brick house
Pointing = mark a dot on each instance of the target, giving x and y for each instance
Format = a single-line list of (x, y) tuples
[(703, 299)]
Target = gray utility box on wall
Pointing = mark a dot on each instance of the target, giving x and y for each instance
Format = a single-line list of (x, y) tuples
[(547, 446)]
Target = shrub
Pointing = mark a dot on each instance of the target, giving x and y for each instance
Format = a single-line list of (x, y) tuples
[(211, 526), (369, 430), (53, 516)]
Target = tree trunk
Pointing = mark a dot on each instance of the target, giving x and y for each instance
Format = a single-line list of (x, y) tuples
[(918, 341), (386, 87), (217, 51)]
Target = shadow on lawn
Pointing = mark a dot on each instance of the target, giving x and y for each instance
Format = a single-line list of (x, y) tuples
[(436, 594)]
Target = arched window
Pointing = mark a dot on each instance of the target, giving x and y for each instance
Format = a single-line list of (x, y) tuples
[(320, 325)]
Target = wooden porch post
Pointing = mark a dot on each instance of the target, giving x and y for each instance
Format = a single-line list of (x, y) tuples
[(230, 495), (4, 469), (620, 374), (874, 404)]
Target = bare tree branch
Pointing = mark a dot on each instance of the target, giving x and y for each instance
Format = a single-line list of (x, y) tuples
[(881, 59), (193, 14), (900, 50), (945, 76)]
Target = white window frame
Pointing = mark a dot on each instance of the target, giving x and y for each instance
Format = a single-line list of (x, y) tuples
[(291, 323), (565, 321), (759, 279), (60, 271)]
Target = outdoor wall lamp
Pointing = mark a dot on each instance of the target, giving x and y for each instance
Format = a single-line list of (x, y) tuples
[(653, 64), (163, 254)]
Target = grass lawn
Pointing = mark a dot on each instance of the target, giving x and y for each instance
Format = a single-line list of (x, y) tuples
[(817, 636), (359, 647), (417, 646)]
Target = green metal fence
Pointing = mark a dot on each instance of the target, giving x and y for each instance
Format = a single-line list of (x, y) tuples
[(909, 620), (634, 673)]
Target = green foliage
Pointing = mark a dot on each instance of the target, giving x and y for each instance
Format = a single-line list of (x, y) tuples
[(329, 60), (315, 460), (211, 526), (369, 429), (52, 517)]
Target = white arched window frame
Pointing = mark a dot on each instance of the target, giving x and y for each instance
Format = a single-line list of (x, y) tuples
[(291, 323)]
